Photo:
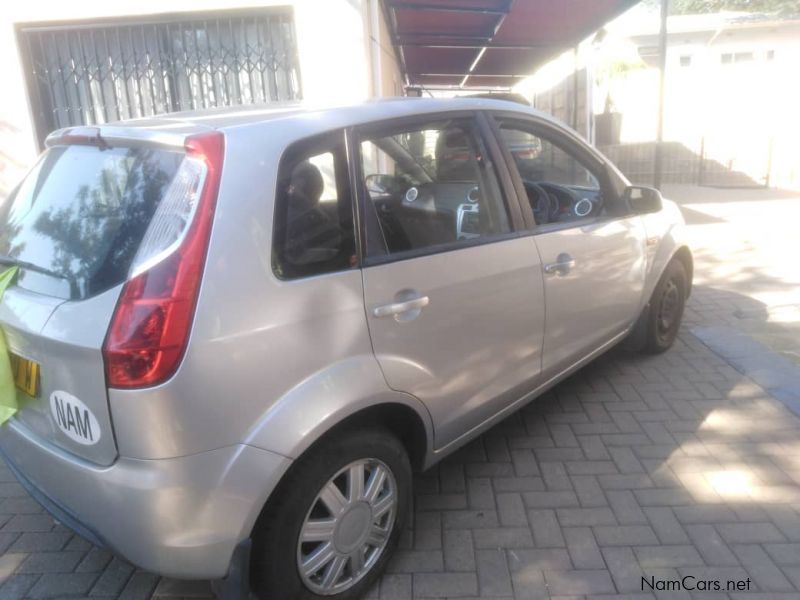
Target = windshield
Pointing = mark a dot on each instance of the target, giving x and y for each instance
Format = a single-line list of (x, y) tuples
[(80, 215)]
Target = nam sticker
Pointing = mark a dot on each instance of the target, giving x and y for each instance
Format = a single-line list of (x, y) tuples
[(74, 418)]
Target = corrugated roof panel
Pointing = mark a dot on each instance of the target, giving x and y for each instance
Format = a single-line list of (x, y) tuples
[(482, 42)]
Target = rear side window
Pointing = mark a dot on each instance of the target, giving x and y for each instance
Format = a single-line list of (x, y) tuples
[(314, 229), (80, 215)]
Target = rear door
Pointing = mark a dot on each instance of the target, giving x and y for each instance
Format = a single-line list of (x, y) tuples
[(592, 249), (76, 224), (454, 297)]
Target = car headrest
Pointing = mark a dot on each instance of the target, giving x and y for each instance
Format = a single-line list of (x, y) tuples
[(455, 156), (305, 186)]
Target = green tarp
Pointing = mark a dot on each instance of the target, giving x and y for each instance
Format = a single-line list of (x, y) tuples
[(8, 392)]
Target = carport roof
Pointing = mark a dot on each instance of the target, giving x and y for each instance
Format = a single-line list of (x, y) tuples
[(488, 44)]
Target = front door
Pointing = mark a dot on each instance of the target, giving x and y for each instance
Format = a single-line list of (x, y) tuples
[(592, 250), (454, 298)]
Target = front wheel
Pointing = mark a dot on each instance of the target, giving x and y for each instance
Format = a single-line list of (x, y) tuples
[(336, 520), (666, 309)]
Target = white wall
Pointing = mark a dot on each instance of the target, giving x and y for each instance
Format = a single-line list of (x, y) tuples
[(738, 110), (332, 41), (743, 113)]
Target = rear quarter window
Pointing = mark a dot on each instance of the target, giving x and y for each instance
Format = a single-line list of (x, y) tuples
[(80, 216), (314, 228)]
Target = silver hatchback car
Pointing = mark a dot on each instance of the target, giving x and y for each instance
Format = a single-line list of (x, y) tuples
[(238, 333)]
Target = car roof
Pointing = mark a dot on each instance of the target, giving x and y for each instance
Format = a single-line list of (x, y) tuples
[(327, 116)]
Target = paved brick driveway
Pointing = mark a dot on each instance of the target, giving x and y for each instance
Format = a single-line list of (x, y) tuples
[(660, 467)]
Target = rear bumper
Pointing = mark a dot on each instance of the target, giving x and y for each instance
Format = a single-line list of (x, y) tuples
[(180, 517)]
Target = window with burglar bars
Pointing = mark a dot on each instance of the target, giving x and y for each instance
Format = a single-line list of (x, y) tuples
[(87, 74)]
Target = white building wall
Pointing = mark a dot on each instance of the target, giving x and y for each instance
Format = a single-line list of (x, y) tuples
[(743, 115)]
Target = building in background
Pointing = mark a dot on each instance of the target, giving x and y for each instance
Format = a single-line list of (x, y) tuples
[(731, 94), (731, 82), (93, 62)]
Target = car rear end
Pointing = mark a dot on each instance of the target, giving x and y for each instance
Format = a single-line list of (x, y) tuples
[(110, 231)]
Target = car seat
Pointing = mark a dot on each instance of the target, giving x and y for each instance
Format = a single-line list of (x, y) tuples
[(312, 236)]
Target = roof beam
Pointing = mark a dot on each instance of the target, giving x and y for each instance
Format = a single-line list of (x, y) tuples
[(409, 38), (469, 45), (482, 51), (500, 75), (426, 7), (446, 87)]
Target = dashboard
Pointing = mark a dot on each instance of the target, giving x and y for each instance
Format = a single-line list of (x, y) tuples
[(458, 202), (437, 212), (556, 203), (433, 213)]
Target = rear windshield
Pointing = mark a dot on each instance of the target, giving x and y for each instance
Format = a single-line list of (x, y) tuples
[(79, 216)]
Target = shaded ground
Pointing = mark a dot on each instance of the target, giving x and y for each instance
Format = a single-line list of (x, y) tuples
[(663, 467)]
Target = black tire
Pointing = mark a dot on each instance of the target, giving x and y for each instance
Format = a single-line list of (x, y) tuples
[(275, 574), (664, 313)]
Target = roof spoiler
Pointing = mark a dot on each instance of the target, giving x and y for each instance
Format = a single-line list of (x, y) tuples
[(108, 136)]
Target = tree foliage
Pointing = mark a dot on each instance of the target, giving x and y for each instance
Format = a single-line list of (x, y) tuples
[(687, 7)]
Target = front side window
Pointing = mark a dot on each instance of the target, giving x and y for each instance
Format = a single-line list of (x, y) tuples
[(429, 186), (313, 231), (560, 188)]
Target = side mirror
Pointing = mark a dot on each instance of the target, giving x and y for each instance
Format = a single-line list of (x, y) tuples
[(642, 199)]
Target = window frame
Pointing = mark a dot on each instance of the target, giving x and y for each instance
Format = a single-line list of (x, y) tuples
[(496, 164), (335, 143), (610, 186)]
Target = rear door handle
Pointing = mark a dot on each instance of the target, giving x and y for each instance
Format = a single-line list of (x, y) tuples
[(564, 262), (399, 308)]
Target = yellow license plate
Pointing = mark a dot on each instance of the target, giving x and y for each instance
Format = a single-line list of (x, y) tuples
[(26, 375)]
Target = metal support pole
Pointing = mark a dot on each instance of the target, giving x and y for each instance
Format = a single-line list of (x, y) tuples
[(375, 43), (658, 165), (588, 82), (701, 165), (770, 148), (575, 90)]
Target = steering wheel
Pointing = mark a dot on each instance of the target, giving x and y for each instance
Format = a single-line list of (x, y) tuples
[(560, 192), (542, 204)]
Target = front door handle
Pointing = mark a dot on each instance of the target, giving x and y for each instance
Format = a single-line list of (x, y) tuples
[(564, 262), (399, 308)]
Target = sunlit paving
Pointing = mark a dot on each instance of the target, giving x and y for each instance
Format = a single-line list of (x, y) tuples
[(731, 484)]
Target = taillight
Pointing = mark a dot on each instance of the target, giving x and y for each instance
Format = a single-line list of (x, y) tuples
[(150, 327)]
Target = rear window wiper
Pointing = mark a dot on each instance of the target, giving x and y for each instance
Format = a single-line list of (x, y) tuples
[(23, 264)]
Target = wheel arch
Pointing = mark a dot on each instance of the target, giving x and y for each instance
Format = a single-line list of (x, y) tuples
[(400, 419), (350, 391), (636, 339), (684, 255), (349, 394)]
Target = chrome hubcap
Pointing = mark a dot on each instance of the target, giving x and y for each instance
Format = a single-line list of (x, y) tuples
[(347, 527)]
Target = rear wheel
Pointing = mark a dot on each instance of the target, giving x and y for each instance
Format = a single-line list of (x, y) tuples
[(665, 311), (336, 519)]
